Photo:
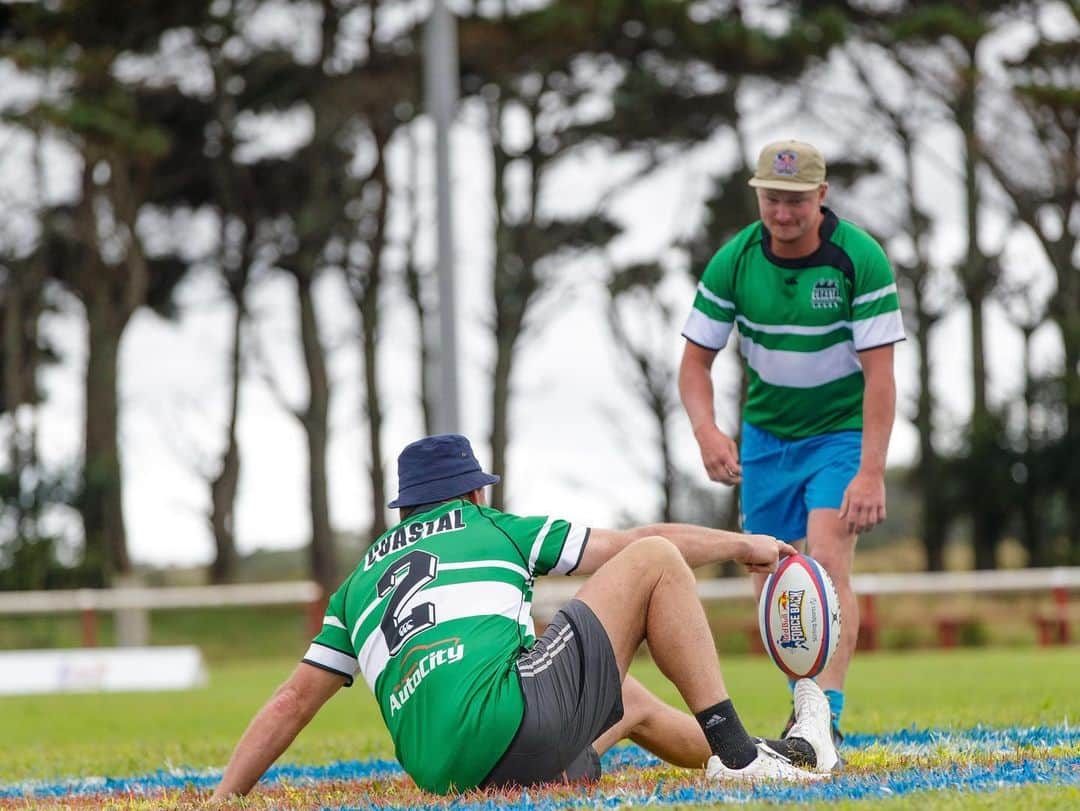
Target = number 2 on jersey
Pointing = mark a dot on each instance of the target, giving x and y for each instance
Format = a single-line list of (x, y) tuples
[(406, 577)]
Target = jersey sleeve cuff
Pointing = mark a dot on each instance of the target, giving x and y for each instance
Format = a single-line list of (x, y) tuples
[(573, 549), (333, 661)]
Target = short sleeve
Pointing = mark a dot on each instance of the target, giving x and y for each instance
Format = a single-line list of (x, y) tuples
[(876, 317), (713, 313), (549, 545), (332, 649)]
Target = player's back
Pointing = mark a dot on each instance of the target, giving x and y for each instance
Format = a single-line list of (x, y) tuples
[(437, 613)]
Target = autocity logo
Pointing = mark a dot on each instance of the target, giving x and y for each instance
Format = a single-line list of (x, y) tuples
[(790, 607)]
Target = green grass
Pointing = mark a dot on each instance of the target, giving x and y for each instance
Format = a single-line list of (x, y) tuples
[(888, 691), (117, 734)]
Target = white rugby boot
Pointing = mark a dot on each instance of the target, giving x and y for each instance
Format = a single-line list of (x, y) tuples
[(767, 766), (813, 723)]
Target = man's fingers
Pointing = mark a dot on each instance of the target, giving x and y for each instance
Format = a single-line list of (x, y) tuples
[(725, 473), (866, 516), (786, 549), (851, 512), (863, 517)]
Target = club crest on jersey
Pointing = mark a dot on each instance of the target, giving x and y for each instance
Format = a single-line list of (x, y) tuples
[(408, 534), (786, 163), (825, 295), (792, 633)]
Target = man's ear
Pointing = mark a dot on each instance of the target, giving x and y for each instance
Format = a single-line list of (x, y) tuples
[(475, 496)]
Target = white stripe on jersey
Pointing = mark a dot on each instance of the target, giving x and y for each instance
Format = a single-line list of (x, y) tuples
[(792, 329), (873, 295), (801, 370), (334, 621), (484, 564), (571, 551), (887, 328), (538, 544), (476, 599), (334, 659), (478, 564), (363, 616), (525, 619), (705, 331), (715, 299)]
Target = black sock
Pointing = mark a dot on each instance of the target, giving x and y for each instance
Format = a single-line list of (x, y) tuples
[(726, 735), (797, 750)]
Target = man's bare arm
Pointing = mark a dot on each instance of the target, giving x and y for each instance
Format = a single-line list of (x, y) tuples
[(275, 726), (700, 546), (719, 453), (863, 506)]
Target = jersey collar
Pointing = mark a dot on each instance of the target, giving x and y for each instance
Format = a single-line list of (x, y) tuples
[(817, 258)]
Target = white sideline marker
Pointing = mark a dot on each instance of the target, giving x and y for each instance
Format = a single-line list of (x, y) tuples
[(101, 670)]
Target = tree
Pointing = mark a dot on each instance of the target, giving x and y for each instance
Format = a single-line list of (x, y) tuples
[(419, 280), (521, 78), (389, 94), (94, 245), (906, 114), (1034, 153), (638, 319), (940, 45), (28, 490), (1034, 472), (330, 217)]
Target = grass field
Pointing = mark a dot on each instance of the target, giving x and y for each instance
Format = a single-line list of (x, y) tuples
[(50, 738)]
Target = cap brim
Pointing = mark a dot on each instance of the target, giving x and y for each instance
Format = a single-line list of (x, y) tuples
[(430, 492), (784, 185)]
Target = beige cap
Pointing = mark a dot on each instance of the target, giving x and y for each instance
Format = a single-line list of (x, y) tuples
[(790, 166)]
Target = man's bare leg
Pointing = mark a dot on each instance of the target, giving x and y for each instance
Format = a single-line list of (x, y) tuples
[(830, 544), (668, 733), (675, 736), (648, 592)]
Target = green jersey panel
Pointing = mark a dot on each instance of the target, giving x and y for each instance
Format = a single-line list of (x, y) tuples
[(801, 324), (434, 618)]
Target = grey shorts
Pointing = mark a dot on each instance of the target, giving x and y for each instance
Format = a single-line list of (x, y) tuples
[(573, 693)]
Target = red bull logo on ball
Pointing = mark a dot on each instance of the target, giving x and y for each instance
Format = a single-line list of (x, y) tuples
[(792, 633)]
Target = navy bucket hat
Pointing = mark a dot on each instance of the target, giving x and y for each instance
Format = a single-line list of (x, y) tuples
[(437, 468)]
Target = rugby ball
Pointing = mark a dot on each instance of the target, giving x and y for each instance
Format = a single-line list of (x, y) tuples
[(799, 617)]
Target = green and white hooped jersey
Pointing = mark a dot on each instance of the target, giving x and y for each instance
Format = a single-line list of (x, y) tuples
[(435, 617), (802, 323)]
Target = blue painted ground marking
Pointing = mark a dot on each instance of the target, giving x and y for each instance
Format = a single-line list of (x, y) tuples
[(1060, 771)]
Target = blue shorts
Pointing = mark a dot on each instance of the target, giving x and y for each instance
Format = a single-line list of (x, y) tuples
[(783, 479)]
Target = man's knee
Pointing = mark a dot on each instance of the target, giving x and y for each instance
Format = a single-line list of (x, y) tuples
[(836, 562), (659, 554), (836, 552), (659, 557)]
